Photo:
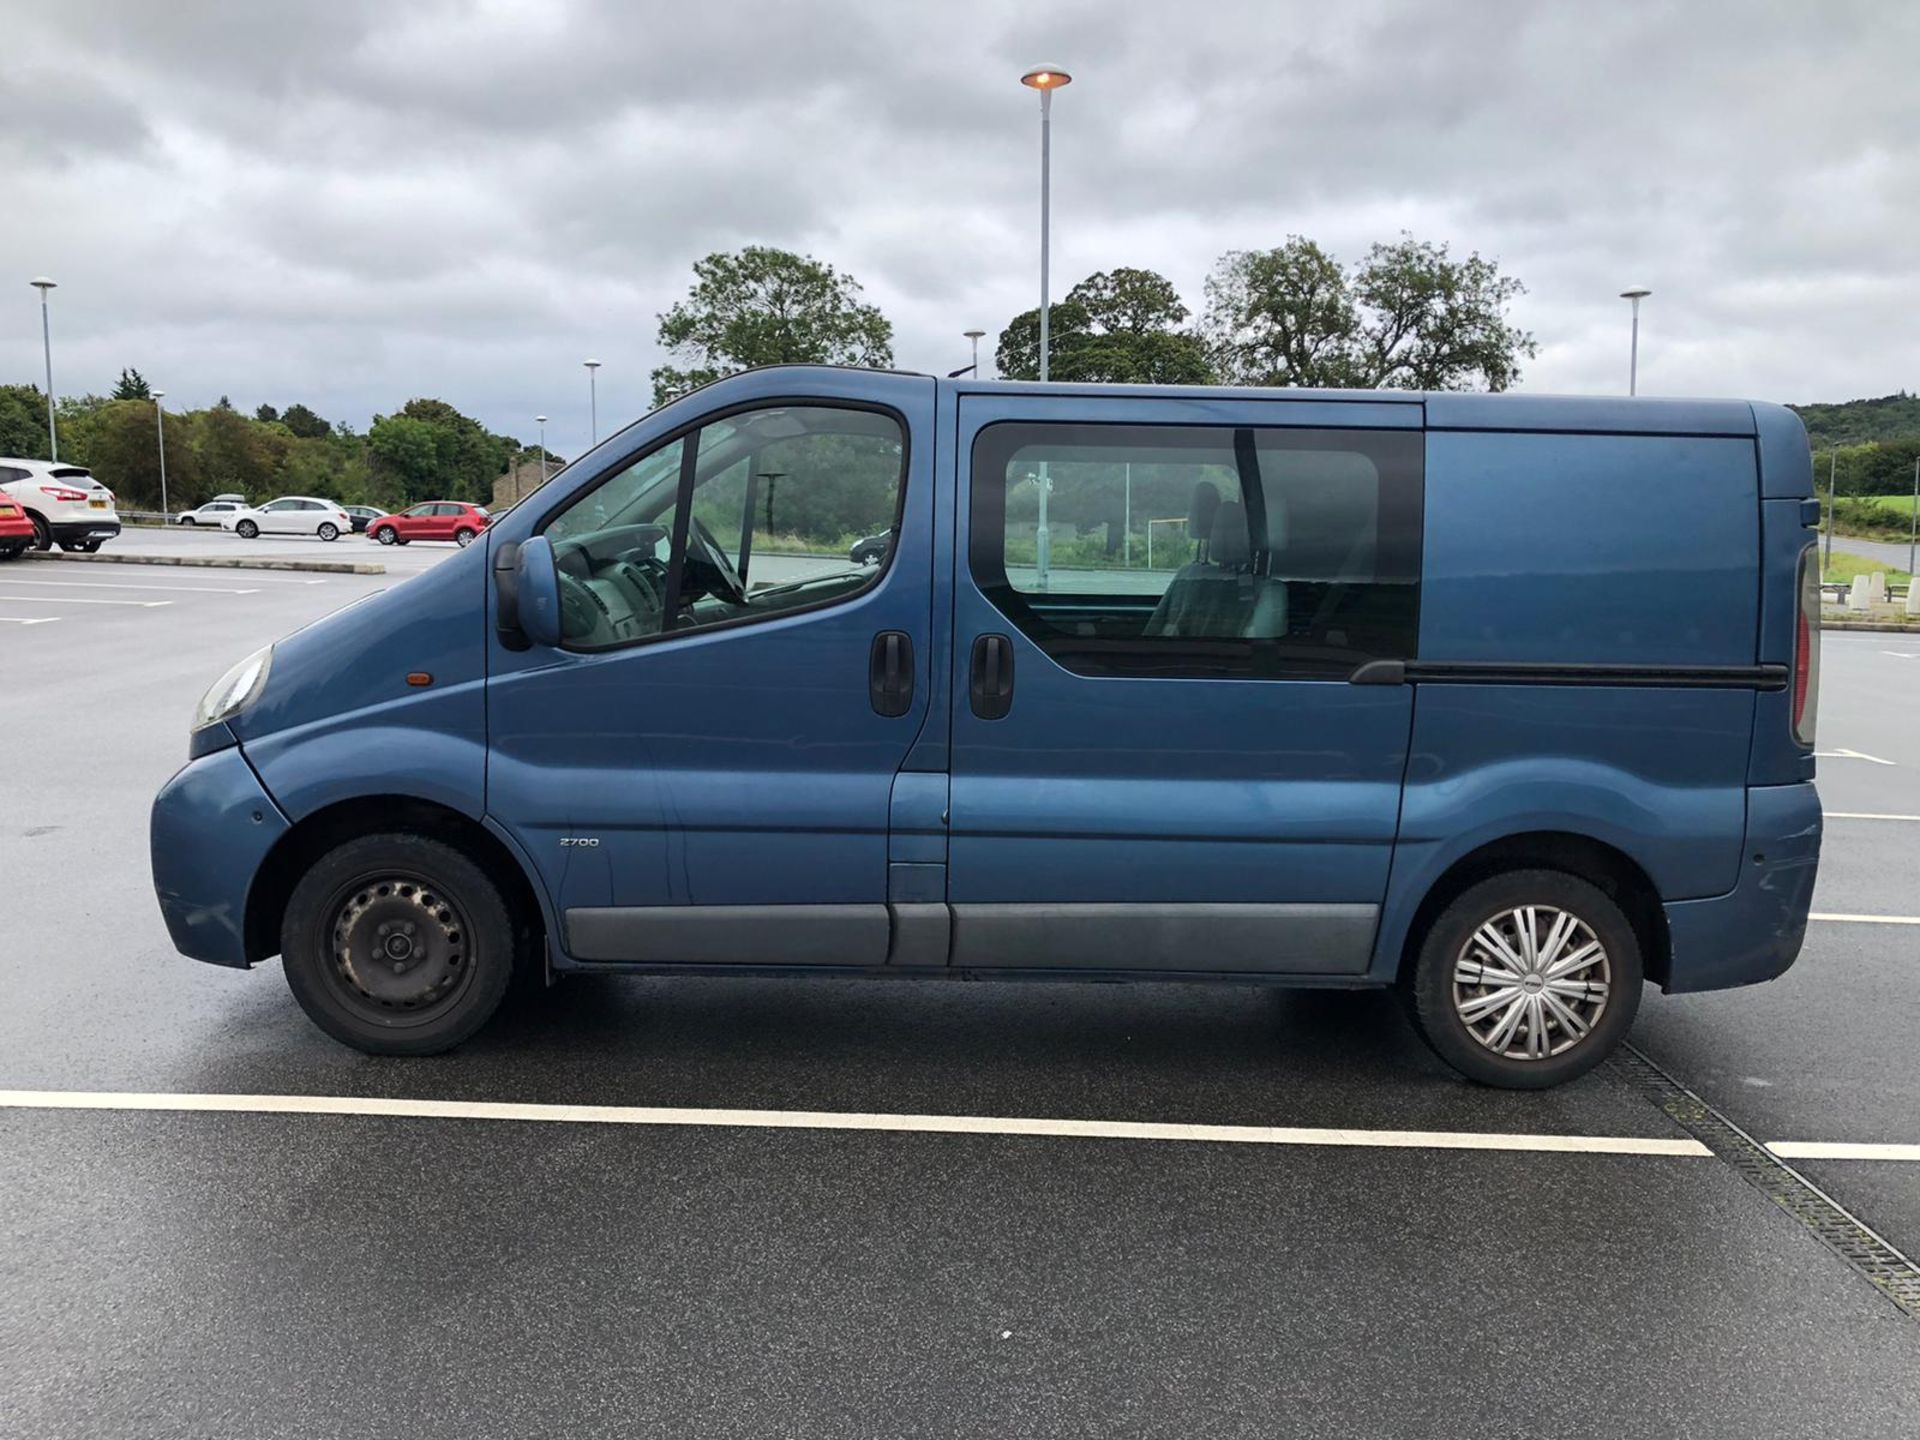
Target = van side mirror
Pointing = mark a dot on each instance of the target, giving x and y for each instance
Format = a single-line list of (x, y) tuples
[(538, 597)]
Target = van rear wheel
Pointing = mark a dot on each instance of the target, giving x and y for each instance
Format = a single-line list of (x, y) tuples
[(396, 944), (1526, 980)]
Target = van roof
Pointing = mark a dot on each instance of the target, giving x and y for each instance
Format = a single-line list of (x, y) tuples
[(1449, 410), (1441, 410)]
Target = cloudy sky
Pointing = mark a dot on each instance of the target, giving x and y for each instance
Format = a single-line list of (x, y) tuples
[(350, 202)]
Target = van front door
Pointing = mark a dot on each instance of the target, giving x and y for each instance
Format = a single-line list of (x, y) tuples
[(703, 771), (1158, 763)]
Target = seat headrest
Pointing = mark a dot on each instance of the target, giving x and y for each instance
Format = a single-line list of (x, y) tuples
[(1201, 510), (1229, 544)]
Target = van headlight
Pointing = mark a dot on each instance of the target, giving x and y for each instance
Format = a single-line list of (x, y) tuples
[(235, 690)]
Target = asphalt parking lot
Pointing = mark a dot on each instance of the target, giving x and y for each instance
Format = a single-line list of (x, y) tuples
[(1577, 1265)]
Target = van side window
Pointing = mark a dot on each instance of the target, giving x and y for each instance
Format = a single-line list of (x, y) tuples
[(774, 501), (1252, 552)]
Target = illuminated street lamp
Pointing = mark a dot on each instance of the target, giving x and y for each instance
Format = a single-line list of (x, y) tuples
[(1046, 79)]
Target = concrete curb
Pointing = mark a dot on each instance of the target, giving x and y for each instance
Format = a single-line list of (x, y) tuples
[(318, 567), (1879, 627)]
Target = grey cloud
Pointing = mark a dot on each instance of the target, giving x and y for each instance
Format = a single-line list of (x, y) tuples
[(356, 201)]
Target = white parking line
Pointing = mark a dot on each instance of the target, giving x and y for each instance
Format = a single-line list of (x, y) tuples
[(1864, 815), (1844, 754), (846, 1120), (1841, 1150), (134, 585), (1866, 919), (17, 620), (79, 600)]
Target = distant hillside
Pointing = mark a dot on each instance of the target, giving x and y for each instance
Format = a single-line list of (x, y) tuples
[(1855, 422)]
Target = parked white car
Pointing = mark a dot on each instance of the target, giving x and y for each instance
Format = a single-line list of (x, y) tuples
[(211, 513), (289, 515), (67, 506)]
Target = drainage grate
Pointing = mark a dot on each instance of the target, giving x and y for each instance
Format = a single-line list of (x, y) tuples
[(1897, 1277)]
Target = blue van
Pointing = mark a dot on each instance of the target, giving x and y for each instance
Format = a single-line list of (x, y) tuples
[(1503, 701)]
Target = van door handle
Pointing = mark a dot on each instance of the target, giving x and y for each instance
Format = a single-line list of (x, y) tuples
[(990, 687), (890, 673)]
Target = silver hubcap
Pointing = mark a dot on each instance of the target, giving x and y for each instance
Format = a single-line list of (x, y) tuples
[(1531, 982)]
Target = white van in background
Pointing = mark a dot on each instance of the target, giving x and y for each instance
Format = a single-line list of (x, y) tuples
[(67, 506)]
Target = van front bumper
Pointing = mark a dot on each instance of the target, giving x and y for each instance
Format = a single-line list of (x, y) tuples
[(212, 826), (1753, 933)]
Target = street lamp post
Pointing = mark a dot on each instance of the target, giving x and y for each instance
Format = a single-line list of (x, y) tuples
[(1636, 295), (974, 336), (1833, 488), (541, 420), (43, 285), (593, 400), (1046, 79), (1913, 519), (160, 430)]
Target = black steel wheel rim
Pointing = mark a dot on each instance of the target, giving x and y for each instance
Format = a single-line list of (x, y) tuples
[(400, 949)]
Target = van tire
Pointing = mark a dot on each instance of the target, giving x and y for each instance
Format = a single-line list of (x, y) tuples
[(455, 924), (1433, 1000)]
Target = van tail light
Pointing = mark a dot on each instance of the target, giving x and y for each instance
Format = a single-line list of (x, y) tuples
[(62, 494), (1806, 648)]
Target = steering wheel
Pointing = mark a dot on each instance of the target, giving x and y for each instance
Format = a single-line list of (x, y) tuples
[(714, 556)]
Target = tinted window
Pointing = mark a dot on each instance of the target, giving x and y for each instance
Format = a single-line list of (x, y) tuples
[(748, 517), (1198, 550)]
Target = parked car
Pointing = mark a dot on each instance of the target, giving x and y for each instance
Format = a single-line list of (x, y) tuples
[(363, 516), (436, 520), (16, 530), (211, 513), (1370, 734), (873, 549), (289, 515), (64, 503)]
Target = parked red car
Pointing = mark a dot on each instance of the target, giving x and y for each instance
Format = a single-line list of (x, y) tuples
[(435, 520), (16, 527)]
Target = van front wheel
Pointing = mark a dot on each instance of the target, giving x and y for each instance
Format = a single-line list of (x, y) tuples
[(1526, 980), (397, 944)]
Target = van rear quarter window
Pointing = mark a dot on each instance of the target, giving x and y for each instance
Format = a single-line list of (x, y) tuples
[(1225, 551), (1590, 549)]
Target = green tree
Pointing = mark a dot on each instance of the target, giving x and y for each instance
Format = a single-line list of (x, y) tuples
[(236, 453), (132, 386), (761, 306), (124, 455), (266, 414), (1407, 316), (23, 422), (1119, 326), (304, 423), (76, 416)]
